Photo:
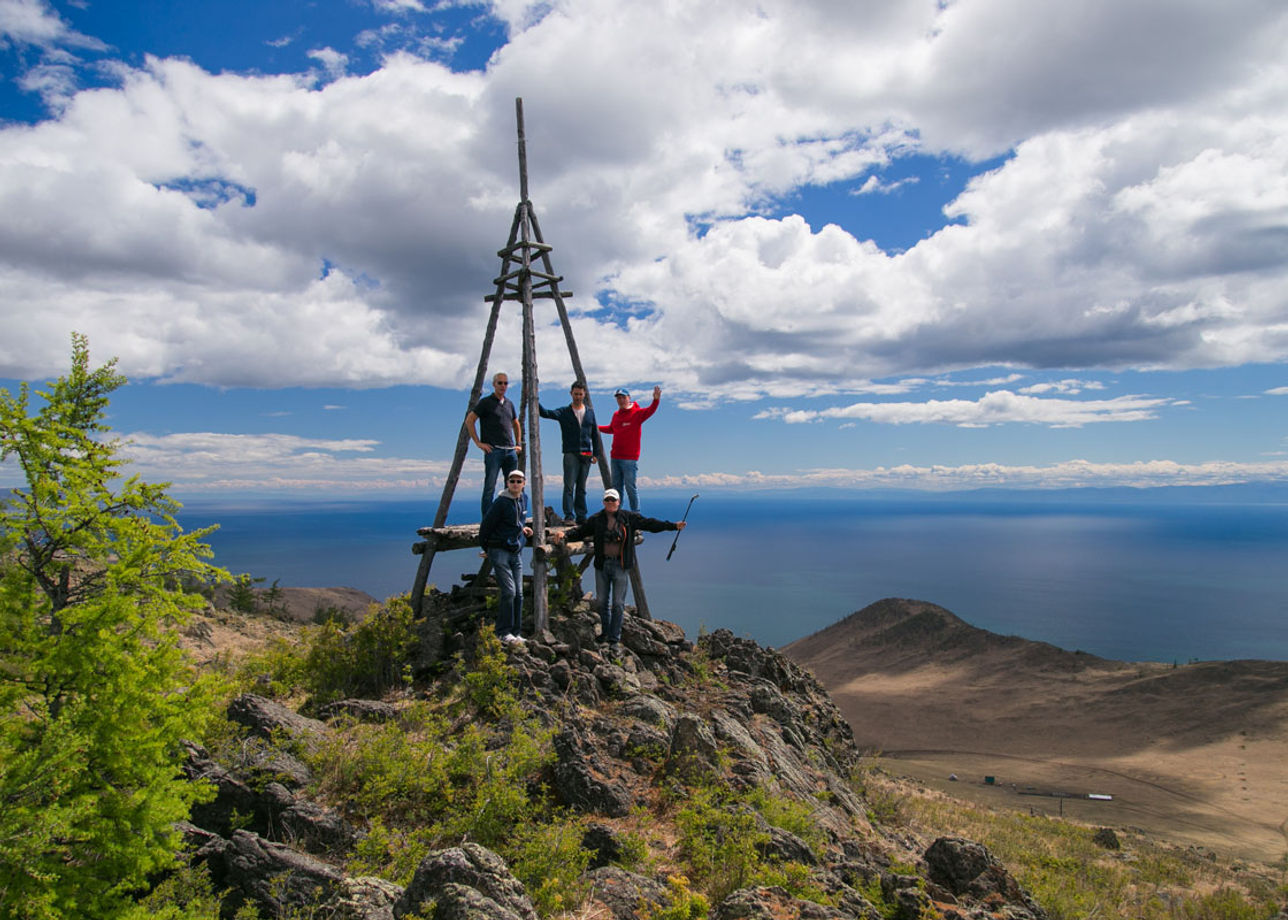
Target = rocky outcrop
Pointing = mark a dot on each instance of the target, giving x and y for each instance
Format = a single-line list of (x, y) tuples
[(465, 882), (276, 878), (969, 872), (629, 727)]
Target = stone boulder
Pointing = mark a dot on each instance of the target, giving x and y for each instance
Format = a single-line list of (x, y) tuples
[(468, 881), (580, 785), (270, 720), (276, 878), (773, 904), (968, 870), (623, 892)]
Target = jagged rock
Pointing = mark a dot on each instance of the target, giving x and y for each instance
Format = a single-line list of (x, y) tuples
[(732, 732), (363, 898), (967, 869), (1105, 837), (561, 675), (274, 877), (906, 894), (233, 796), (623, 892), (787, 766), (577, 784), (468, 881), (266, 763), (766, 699), (753, 659), (640, 638), (693, 749), (645, 748), (271, 720), (773, 904), (273, 811), (615, 682), (649, 709), (361, 710), (460, 902), (784, 846), (307, 825), (603, 843)]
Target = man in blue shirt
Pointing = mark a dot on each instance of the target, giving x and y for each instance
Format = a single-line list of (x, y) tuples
[(499, 436), (579, 436)]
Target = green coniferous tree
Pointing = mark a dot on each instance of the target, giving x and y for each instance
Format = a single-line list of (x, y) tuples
[(95, 694)]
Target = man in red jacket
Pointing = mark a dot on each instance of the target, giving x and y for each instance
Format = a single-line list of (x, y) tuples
[(625, 425)]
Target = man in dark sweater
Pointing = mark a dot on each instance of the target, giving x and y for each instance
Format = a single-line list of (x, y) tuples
[(613, 530), (579, 436), (499, 436), (502, 534)]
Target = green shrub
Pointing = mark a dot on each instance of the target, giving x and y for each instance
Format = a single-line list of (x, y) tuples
[(682, 903), (719, 839), (487, 681)]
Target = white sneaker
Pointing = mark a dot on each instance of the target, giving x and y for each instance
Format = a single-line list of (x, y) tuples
[(512, 639)]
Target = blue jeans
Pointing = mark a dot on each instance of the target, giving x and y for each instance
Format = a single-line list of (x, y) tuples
[(610, 591), (495, 462), (507, 566), (576, 469), (624, 480)]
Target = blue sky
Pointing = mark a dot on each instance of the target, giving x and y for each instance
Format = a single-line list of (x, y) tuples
[(933, 245)]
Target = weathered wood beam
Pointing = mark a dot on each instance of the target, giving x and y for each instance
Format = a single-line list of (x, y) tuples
[(537, 295)]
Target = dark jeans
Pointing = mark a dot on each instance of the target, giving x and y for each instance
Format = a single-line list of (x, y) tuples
[(507, 566), (610, 592), (495, 462), (576, 469), (624, 481)]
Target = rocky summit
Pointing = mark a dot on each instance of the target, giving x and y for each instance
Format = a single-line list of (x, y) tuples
[(637, 735)]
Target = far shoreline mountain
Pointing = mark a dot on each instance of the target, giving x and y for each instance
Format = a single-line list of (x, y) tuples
[(1193, 751)]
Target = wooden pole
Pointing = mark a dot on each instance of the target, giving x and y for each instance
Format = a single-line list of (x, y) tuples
[(536, 479), (604, 475)]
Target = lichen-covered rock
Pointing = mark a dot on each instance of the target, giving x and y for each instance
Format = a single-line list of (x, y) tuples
[(465, 882), (361, 710), (579, 785), (363, 898), (623, 893), (270, 720), (773, 903), (276, 878), (968, 870), (693, 749)]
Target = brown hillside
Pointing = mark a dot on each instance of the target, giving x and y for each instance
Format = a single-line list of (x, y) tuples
[(1194, 751)]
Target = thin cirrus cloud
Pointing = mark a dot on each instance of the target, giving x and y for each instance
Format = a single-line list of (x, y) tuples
[(999, 407), (193, 222), (1072, 474)]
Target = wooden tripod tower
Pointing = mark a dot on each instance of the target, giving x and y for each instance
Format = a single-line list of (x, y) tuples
[(527, 274)]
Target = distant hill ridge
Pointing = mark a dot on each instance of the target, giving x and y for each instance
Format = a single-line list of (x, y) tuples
[(910, 675), (899, 634)]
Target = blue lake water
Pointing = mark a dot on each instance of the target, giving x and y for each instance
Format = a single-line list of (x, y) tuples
[(1146, 581)]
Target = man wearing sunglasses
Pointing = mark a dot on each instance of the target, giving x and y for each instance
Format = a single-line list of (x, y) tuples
[(613, 530), (502, 535), (498, 436)]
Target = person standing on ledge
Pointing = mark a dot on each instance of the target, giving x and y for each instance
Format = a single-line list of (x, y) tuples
[(625, 428), (578, 435), (502, 534), (499, 436), (613, 531)]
